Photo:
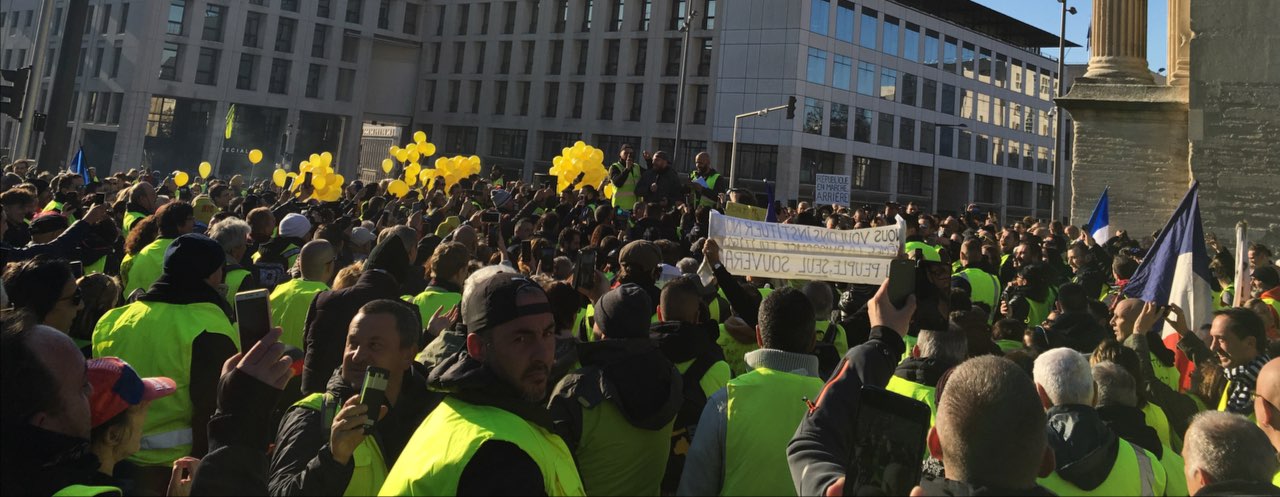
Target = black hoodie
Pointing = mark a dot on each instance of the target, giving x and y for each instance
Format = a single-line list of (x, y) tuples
[(922, 370), (1084, 446)]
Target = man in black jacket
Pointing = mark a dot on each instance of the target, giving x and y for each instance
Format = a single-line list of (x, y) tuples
[(1074, 326), (332, 311), (823, 444), (660, 183), (314, 447)]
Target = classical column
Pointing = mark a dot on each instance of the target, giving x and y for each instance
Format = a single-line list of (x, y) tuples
[(1179, 42), (1119, 51)]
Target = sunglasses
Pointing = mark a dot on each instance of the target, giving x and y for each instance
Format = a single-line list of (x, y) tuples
[(75, 297)]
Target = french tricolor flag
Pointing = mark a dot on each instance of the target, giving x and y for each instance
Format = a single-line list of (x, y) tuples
[(1099, 225), (1176, 269)]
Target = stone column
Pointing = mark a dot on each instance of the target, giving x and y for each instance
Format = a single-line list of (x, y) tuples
[(1179, 42), (1119, 52)]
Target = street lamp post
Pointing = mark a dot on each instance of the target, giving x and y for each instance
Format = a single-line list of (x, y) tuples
[(687, 28), (938, 141), (733, 149), (1059, 119)]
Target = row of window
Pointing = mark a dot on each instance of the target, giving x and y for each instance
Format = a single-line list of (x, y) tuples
[(895, 37), (969, 146), (472, 57), (463, 15), (99, 107), (698, 97), (913, 90), (209, 61)]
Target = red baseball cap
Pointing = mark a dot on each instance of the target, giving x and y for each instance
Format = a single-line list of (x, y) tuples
[(116, 387)]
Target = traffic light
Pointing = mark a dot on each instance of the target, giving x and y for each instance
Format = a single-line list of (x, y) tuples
[(14, 91), (791, 108)]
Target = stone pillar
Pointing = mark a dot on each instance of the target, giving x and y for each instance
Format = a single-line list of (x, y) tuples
[(1179, 42), (1119, 52)]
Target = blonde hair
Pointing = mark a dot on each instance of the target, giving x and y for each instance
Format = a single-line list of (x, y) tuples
[(347, 276)]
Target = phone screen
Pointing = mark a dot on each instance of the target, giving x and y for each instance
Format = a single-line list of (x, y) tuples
[(77, 269), (584, 275), (99, 198), (491, 216), (253, 317), (890, 432), (373, 393)]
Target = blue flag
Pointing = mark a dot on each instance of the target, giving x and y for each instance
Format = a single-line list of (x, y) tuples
[(771, 214), (77, 166), (1099, 225), (1176, 269)]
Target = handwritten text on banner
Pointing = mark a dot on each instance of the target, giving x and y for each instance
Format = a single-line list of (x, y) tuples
[(789, 251)]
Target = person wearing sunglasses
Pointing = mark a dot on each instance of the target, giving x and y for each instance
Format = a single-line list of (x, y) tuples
[(47, 288)]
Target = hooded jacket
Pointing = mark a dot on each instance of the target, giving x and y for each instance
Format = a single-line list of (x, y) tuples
[(1130, 424), (693, 344), (332, 311), (303, 464), (1084, 446), (1079, 331), (958, 488), (922, 370), (616, 415)]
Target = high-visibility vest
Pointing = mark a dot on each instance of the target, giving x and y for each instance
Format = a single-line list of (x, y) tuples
[(910, 343), (1275, 307), (841, 341), (1007, 346), (764, 408), (433, 460), (1134, 473), (155, 338), (1226, 395), (983, 287), (711, 185), (1276, 480), (290, 302), (233, 279), (433, 299), (625, 196), (1039, 311), (1217, 297), (734, 351), (290, 253), (1157, 420), (911, 389), (1168, 375), (930, 252), (370, 469), (1173, 465), (55, 205), (715, 378), (131, 218), (147, 266), (88, 491), (95, 267)]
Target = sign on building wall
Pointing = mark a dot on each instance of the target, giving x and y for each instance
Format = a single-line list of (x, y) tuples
[(831, 189), (797, 252)]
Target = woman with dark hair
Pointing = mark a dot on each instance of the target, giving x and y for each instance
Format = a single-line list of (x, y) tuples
[(174, 220), (46, 288)]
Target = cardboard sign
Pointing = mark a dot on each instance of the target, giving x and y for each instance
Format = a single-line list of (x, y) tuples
[(831, 189)]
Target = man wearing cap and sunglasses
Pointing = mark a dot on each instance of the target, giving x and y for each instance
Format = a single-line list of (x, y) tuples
[(492, 434)]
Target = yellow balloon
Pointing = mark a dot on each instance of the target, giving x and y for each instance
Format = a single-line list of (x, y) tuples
[(339, 180), (279, 177), (398, 188), (180, 178), (255, 156), (402, 155), (304, 167), (427, 149), (442, 163), (327, 157), (387, 165), (420, 137), (205, 169), (414, 156), (319, 181), (392, 151)]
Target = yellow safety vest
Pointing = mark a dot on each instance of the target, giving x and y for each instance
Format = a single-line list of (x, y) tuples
[(716, 377), (734, 351), (290, 302), (1226, 395), (433, 460), (87, 491), (983, 287), (764, 408), (1134, 473), (233, 280), (1007, 346), (841, 341), (913, 390), (1217, 297), (433, 299), (1168, 375), (711, 185), (625, 196), (147, 266), (1157, 420), (910, 343), (1173, 465), (98, 266), (155, 338), (930, 252), (1275, 305), (370, 468), (131, 218)]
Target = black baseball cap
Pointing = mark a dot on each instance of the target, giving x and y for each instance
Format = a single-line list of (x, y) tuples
[(492, 302)]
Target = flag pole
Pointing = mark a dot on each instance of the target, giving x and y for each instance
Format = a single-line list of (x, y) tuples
[(1243, 282)]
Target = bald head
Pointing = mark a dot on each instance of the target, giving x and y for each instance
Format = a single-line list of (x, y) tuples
[(317, 258), (1125, 314)]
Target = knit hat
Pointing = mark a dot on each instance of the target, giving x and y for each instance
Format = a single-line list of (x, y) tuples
[(295, 225), (492, 301), (624, 312), (116, 387), (193, 256), (500, 197), (390, 256)]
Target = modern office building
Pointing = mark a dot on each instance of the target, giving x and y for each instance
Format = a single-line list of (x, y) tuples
[(157, 78), (889, 92)]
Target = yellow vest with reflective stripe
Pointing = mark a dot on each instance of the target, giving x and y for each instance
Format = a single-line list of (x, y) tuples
[(233, 280), (370, 470), (433, 299), (433, 460), (290, 302), (1217, 297), (155, 338), (764, 408), (625, 196), (1134, 473), (87, 491), (983, 287), (711, 185), (147, 266), (913, 390)]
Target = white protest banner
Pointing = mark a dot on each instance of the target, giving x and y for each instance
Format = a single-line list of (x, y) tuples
[(831, 189), (791, 251)]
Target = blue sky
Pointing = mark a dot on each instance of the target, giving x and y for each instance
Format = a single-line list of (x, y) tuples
[(1046, 15)]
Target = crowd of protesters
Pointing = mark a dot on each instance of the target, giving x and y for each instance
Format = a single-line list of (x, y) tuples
[(564, 343)]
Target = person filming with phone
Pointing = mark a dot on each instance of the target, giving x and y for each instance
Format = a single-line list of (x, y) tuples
[(323, 443)]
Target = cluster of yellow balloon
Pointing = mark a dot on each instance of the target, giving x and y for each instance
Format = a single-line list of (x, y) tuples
[(411, 153), (579, 160), (328, 184)]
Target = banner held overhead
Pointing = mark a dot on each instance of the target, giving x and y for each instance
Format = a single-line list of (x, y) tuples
[(789, 251)]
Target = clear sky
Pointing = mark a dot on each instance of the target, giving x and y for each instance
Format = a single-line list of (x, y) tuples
[(1047, 14)]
